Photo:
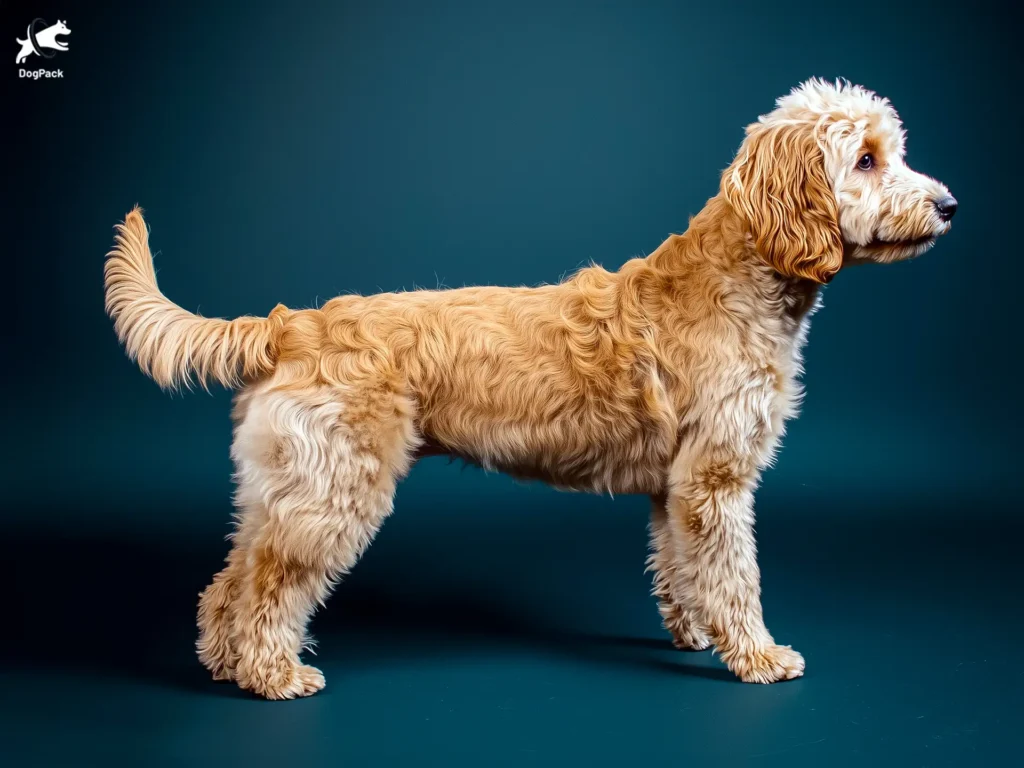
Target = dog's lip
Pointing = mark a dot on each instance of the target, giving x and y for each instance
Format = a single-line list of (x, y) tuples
[(908, 243)]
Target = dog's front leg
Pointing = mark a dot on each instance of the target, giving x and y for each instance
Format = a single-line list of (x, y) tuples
[(670, 583), (711, 512)]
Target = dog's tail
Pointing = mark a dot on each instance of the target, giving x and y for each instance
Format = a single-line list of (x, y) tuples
[(171, 345)]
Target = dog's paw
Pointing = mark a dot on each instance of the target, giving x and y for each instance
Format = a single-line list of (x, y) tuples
[(769, 665), (217, 655), (284, 681), (686, 634), (690, 639), (223, 674), (307, 681)]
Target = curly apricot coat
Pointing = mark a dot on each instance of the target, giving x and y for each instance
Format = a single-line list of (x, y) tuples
[(671, 377)]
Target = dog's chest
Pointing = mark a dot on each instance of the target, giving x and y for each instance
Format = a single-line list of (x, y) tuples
[(736, 397)]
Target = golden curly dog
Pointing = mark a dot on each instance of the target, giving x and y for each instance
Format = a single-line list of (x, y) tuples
[(672, 377)]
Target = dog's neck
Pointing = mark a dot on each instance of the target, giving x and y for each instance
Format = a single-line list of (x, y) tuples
[(719, 247)]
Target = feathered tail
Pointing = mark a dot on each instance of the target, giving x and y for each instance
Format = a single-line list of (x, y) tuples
[(171, 345)]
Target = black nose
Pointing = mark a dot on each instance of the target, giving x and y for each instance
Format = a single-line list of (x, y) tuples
[(946, 206)]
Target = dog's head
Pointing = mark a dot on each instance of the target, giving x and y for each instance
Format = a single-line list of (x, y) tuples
[(821, 181), (60, 28)]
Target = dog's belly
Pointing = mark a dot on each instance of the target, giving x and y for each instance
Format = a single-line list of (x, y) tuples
[(637, 465), (534, 421)]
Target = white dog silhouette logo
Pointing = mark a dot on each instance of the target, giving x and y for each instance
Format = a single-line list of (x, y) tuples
[(42, 41)]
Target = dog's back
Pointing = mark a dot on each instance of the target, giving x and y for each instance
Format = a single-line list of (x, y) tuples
[(554, 383)]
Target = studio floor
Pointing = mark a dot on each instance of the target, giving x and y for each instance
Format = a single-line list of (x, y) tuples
[(522, 639)]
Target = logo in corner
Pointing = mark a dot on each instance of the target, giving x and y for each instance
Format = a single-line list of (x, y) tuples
[(41, 40)]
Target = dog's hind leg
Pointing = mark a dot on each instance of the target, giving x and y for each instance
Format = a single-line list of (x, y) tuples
[(670, 583), (216, 617), (326, 463), (217, 602)]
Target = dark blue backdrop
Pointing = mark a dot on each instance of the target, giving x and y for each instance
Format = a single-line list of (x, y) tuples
[(289, 152)]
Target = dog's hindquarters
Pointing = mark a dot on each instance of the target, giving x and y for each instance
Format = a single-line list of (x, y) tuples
[(317, 469)]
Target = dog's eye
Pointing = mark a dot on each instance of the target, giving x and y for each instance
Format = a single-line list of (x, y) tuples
[(866, 163)]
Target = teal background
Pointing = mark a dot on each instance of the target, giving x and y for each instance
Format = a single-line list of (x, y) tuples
[(291, 152)]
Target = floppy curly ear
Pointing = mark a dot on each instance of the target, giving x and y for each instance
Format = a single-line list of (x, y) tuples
[(778, 185)]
